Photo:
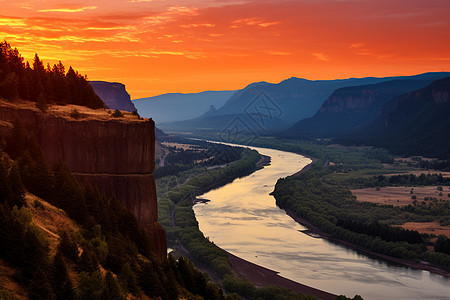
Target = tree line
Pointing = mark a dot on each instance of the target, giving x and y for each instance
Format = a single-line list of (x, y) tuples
[(42, 84)]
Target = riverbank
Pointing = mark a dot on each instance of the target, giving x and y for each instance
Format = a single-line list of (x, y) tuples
[(420, 265), (417, 265), (263, 277), (256, 274)]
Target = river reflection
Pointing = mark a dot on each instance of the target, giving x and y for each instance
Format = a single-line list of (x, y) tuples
[(243, 219)]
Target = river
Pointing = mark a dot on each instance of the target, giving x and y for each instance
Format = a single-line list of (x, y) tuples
[(242, 218)]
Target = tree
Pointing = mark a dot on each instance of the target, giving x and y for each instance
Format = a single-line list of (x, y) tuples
[(68, 247), (41, 103), (90, 286), (40, 287), (62, 285), (128, 279), (111, 289)]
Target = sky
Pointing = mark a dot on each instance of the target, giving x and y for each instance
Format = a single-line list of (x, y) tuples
[(161, 46)]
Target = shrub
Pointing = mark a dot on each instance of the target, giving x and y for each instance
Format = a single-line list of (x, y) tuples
[(117, 114), (75, 114), (38, 204)]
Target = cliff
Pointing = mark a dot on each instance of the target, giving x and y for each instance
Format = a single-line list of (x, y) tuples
[(416, 123), (114, 154), (114, 95), (351, 108)]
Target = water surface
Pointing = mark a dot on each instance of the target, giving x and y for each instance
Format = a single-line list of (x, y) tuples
[(243, 219)]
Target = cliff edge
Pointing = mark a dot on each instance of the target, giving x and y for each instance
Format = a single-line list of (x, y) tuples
[(114, 154)]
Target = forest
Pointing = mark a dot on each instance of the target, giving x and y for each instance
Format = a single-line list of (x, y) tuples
[(322, 197), (41, 84), (110, 238)]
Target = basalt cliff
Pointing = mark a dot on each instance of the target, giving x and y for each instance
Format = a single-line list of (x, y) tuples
[(114, 154)]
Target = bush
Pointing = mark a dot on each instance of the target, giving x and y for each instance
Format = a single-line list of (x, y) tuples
[(75, 114), (38, 204), (117, 114)]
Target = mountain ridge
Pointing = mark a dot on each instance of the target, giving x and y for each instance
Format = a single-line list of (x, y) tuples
[(416, 123), (350, 108), (292, 100)]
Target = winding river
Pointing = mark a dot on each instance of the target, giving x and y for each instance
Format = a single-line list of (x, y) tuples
[(243, 219)]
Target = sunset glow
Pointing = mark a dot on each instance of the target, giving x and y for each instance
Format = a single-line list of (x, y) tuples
[(158, 46)]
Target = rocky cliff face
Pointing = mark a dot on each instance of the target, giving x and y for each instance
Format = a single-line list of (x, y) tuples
[(351, 108), (114, 95), (116, 155)]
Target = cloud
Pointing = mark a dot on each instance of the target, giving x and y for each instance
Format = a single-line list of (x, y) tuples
[(252, 22), (170, 15), (69, 10), (12, 22), (321, 56), (197, 25), (283, 53)]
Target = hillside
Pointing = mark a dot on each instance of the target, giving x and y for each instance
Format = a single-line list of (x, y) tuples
[(177, 107), (351, 108), (114, 95), (267, 108), (413, 124), (67, 235)]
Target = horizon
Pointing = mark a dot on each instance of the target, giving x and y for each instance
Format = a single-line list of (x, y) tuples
[(159, 47), (278, 82)]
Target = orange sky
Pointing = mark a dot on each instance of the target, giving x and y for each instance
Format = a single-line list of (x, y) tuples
[(159, 46)]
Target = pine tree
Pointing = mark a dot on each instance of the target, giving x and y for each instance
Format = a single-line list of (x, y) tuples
[(128, 279), (111, 289), (62, 285), (68, 247), (17, 192), (41, 103), (40, 287), (90, 286)]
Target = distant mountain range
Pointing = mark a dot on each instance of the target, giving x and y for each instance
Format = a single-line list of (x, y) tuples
[(177, 107), (417, 123), (351, 108), (268, 109)]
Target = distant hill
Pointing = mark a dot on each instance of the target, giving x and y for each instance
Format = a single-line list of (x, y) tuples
[(113, 94), (267, 108), (417, 123), (351, 108), (177, 107)]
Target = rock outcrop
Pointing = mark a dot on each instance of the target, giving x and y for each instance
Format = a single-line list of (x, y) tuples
[(114, 95), (114, 154)]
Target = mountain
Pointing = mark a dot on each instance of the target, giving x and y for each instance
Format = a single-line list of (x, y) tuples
[(114, 95), (416, 123), (177, 107), (351, 108), (267, 108)]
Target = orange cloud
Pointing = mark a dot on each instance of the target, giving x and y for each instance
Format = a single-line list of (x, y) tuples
[(321, 56), (68, 10)]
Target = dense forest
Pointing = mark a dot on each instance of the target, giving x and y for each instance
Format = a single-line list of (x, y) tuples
[(203, 154), (41, 84)]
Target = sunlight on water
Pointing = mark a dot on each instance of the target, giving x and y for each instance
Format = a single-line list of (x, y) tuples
[(243, 219)]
